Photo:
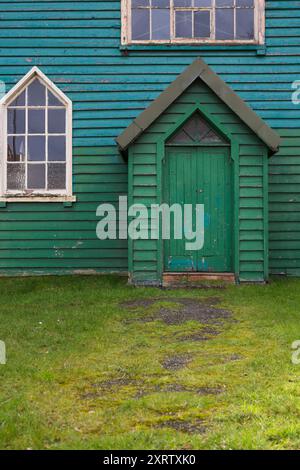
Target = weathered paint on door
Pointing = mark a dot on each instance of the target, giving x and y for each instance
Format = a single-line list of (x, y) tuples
[(200, 175)]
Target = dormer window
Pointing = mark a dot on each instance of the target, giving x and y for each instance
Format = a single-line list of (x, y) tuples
[(192, 21), (36, 150)]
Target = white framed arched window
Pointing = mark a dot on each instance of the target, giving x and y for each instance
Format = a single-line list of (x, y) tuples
[(36, 141)]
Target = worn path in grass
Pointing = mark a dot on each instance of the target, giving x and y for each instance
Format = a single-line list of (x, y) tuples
[(93, 363)]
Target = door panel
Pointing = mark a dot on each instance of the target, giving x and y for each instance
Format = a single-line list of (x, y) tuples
[(200, 175)]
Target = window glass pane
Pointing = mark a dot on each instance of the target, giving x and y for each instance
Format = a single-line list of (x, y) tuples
[(202, 3), (196, 128), (16, 121), (181, 138), (36, 148), (161, 3), (140, 3), (245, 3), (161, 24), (36, 121), (19, 101), (225, 24), (36, 94), (56, 176), (56, 121), (202, 24), (15, 176), (211, 138), (53, 101), (224, 3), (182, 3), (57, 148), (244, 24), (140, 24), (15, 149), (36, 176), (184, 24)]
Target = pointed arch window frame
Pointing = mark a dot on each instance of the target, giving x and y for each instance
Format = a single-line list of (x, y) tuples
[(65, 195), (223, 139)]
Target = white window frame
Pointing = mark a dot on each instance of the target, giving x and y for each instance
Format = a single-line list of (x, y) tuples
[(259, 28), (35, 195)]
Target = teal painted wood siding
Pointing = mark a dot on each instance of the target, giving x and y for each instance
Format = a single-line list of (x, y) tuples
[(77, 45)]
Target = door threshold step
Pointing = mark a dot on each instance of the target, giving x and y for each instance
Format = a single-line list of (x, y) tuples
[(191, 279)]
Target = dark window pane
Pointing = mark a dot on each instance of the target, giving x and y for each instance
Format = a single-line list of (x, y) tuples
[(56, 148), (15, 176), (16, 121), (202, 24), (15, 149), (36, 148), (56, 176), (182, 3), (36, 121), (245, 24), (56, 121), (161, 3), (36, 176), (244, 3), (196, 128), (19, 101), (224, 24), (202, 3), (224, 3), (211, 138), (53, 101), (140, 25), (181, 138), (36, 94), (139, 3), (161, 24), (184, 24)]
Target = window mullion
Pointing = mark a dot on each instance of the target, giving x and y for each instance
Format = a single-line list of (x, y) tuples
[(234, 19), (193, 25), (213, 20), (150, 19), (172, 21)]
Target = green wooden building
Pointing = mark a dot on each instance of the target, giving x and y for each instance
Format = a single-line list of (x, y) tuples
[(163, 101)]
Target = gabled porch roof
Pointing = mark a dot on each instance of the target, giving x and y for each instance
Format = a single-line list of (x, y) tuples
[(199, 70)]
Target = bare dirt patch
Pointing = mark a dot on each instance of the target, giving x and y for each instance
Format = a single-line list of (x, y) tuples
[(184, 310), (179, 388), (176, 362), (99, 389), (140, 389), (205, 334)]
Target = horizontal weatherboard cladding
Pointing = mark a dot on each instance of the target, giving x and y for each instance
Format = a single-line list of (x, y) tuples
[(51, 239), (77, 44), (284, 169)]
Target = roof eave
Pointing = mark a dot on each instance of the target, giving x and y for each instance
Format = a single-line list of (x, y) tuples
[(199, 69)]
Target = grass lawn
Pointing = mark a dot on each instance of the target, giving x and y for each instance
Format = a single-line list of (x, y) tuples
[(95, 364)]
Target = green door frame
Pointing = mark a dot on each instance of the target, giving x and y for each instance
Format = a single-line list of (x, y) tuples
[(234, 154)]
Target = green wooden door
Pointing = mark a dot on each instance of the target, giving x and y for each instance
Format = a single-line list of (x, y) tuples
[(200, 175)]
